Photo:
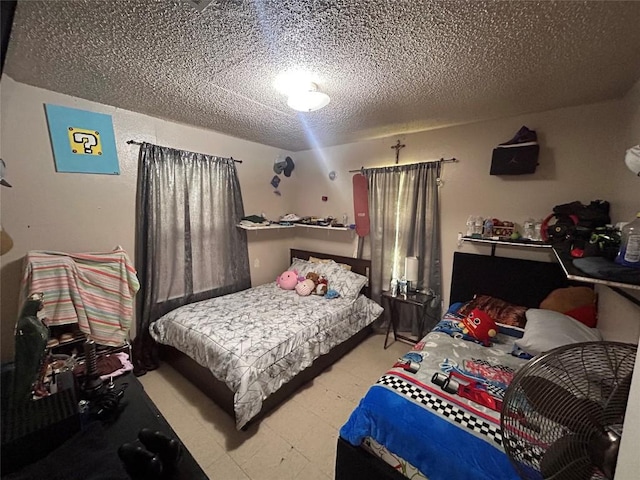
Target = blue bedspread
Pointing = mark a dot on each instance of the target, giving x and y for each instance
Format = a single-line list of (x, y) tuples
[(445, 434)]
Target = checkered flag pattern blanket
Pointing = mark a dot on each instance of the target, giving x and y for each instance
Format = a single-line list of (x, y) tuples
[(442, 407)]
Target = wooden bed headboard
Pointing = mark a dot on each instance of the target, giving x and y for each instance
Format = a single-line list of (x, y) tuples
[(521, 282), (358, 265)]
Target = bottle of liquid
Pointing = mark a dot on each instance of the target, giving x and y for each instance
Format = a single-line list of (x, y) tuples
[(402, 286), (477, 228), (528, 227), (488, 228), (629, 253), (393, 287), (471, 221)]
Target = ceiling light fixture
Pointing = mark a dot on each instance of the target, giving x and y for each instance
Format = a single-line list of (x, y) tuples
[(308, 99)]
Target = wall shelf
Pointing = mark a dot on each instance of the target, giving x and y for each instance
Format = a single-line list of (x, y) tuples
[(566, 263), (276, 226), (321, 227), (508, 243), (273, 226), (574, 273)]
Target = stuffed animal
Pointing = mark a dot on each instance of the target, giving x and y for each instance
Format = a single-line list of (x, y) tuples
[(322, 286), (288, 280), (480, 326), (331, 294), (314, 277), (305, 287)]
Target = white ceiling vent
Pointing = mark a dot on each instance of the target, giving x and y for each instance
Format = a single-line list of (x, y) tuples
[(199, 4)]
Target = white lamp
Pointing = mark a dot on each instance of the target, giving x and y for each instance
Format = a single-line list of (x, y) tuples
[(308, 99), (632, 159), (411, 273)]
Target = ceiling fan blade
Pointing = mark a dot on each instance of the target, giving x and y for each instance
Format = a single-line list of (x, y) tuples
[(566, 459), (561, 406)]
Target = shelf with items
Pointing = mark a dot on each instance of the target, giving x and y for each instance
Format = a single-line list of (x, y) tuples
[(573, 273), (273, 226), (323, 227), (276, 226), (509, 243), (68, 340)]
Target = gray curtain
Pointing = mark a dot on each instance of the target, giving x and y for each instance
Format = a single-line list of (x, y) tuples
[(187, 245), (405, 222)]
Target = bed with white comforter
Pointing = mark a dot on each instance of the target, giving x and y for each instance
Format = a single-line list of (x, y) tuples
[(258, 339)]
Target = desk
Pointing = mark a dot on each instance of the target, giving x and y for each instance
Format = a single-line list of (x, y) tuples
[(417, 300), (138, 411)]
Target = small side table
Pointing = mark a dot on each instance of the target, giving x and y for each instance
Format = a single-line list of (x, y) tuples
[(417, 300)]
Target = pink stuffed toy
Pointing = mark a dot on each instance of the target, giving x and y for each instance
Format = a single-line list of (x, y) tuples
[(305, 287), (288, 280)]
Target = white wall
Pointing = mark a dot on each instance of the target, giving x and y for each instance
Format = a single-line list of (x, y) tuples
[(69, 212), (580, 159)]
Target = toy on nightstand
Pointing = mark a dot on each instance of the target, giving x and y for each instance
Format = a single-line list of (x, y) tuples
[(480, 326)]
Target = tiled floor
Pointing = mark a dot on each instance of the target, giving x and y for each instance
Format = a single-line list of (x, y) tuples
[(296, 441)]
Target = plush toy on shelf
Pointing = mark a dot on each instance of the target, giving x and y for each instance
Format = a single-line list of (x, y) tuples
[(288, 280), (480, 326)]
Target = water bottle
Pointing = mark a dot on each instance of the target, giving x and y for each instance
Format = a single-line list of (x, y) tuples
[(393, 287), (471, 221), (629, 253), (529, 232), (488, 228), (477, 228), (402, 286)]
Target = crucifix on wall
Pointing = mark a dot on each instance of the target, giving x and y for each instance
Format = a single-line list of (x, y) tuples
[(397, 147)]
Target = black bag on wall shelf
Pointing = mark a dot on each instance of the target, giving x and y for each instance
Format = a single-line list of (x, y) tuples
[(514, 160)]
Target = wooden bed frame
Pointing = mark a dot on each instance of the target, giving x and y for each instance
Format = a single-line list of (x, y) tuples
[(522, 282), (218, 391)]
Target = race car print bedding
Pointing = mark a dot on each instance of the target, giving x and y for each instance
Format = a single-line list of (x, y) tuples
[(436, 413), (258, 339)]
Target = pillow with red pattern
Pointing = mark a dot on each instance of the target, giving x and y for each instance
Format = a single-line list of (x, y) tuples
[(500, 310)]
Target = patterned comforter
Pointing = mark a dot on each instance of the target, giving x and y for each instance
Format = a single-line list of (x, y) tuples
[(258, 339), (438, 408)]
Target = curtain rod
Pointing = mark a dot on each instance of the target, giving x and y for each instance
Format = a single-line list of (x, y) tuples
[(134, 142), (442, 160)]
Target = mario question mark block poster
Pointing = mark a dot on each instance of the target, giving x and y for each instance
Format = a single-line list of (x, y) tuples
[(83, 142)]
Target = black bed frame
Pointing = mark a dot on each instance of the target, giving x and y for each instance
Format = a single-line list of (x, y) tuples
[(218, 391), (521, 282)]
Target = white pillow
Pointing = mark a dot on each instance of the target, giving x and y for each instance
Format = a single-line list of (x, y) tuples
[(304, 266), (348, 284), (547, 329)]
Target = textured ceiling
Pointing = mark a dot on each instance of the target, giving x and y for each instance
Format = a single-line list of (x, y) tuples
[(390, 67)]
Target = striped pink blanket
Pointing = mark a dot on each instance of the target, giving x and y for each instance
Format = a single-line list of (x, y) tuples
[(94, 290)]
